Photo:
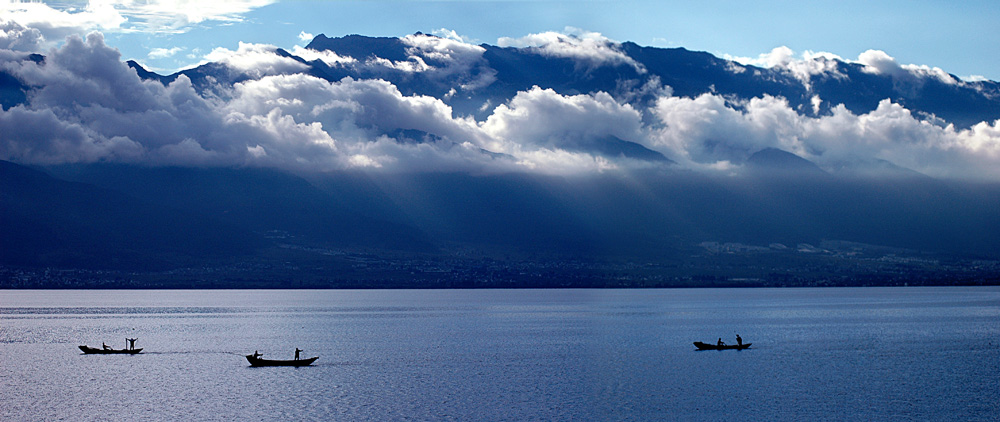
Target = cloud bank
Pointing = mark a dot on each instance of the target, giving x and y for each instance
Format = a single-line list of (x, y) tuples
[(707, 131), (810, 64), (591, 48), (85, 105), (152, 16)]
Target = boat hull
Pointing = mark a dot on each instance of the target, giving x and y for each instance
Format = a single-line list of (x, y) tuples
[(709, 346), (95, 351), (254, 361)]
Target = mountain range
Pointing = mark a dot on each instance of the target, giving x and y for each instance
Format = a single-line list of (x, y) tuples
[(510, 70), (423, 146)]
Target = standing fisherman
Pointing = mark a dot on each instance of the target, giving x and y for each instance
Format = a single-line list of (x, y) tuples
[(297, 353)]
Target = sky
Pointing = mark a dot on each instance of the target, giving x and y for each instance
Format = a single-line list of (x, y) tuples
[(167, 35)]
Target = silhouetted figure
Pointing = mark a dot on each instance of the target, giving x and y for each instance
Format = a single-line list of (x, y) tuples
[(256, 355), (720, 342), (131, 342), (297, 351), (104, 346), (739, 340)]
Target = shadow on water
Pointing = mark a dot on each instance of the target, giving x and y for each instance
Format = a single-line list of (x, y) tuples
[(724, 350), (195, 352)]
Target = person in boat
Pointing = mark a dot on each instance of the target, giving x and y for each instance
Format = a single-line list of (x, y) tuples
[(131, 342), (256, 354), (104, 346), (739, 340), (720, 343), (297, 351)]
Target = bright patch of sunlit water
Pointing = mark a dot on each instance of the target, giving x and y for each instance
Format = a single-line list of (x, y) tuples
[(832, 353)]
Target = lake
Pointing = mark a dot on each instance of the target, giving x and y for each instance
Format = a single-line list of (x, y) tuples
[(927, 353)]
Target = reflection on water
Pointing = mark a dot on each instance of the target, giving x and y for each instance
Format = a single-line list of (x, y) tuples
[(882, 353)]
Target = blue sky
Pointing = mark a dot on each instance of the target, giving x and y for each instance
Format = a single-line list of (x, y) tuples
[(959, 37)]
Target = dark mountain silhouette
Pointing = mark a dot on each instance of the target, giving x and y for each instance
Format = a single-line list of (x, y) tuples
[(145, 74), (614, 147), (262, 201), (361, 47), (875, 169), (53, 222), (12, 91), (773, 160), (112, 216)]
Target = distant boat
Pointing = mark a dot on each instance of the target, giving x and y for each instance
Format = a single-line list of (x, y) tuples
[(109, 351), (709, 346), (257, 361)]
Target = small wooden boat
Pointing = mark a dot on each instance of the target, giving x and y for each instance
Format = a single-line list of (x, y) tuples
[(109, 351), (711, 346), (257, 361)]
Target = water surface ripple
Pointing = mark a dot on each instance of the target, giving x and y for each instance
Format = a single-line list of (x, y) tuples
[(504, 355)]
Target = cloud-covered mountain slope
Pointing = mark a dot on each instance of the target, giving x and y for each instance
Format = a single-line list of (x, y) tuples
[(546, 103), (496, 74)]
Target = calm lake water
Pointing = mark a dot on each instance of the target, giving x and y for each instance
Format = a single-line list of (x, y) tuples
[(512, 355)]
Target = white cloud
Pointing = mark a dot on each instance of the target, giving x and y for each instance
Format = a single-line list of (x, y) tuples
[(804, 69), (153, 16), (559, 162), (445, 50), (541, 127), (705, 131), (449, 63), (452, 35), (14, 36), (330, 58), (316, 124), (546, 118), (907, 77), (816, 102), (42, 137), (880, 63), (305, 36), (162, 53), (91, 107), (590, 48), (256, 60), (84, 73), (56, 23), (86, 105), (413, 65), (354, 108), (450, 58)]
